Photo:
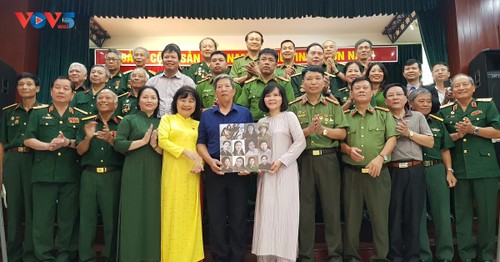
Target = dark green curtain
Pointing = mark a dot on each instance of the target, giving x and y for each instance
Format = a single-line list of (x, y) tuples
[(238, 9), (58, 49), (405, 52), (433, 32)]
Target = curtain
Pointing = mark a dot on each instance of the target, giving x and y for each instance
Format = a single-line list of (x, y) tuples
[(433, 33), (240, 9), (58, 49), (405, 52)]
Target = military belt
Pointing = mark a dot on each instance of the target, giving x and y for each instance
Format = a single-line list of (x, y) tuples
[(101, 170), (20, 149), (431, 162), (319, 152)]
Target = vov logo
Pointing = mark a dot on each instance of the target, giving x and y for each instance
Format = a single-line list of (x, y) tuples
[(60, 20)]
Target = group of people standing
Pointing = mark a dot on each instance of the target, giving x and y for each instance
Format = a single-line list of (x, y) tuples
[(132, 147)]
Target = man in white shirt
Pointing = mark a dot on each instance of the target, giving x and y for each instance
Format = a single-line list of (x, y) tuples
[(171, 79)]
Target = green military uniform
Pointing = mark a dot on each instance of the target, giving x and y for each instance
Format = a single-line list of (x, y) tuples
[(239, 66), (124, 85), (56, 183), (476, 168), (115, 83), (17, 164), (127, 104), (438, 195), (81, 88), (198, 71), (343, 95), (280, 70), (99, 190), (85, 102), (379, 99), (319, 168), (252, 90), (370, 134), (340, 67), (296, 81), (206, 90)]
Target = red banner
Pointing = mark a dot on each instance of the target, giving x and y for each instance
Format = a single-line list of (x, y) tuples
[(345, 54)]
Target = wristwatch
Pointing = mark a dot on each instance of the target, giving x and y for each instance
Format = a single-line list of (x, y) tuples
[(450, 169), (384, 157), (476, 130), (411, 134), (325, 131)]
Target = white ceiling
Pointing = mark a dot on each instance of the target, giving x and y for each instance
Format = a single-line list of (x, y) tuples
[(342, 30)]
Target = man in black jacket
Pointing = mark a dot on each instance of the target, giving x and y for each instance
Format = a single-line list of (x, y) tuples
[(412, 72)]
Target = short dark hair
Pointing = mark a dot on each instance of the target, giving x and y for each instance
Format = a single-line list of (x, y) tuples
[(262, 157), (384, 70), (208, 38), (28, 75), (362, 40), (360, 66), (287, 41), (359, 79), (440, 63), (184, 92), (317, 69), (139, 98), (62, 78), (270, 52), (217, 52), (389, 86), (271, 86), (257, 32), (171, 48), (412, 61), (313, 44)]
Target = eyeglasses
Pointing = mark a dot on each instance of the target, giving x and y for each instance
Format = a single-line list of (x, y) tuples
[(112, 59)]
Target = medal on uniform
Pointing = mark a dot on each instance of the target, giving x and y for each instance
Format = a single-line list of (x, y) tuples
[(73, 120), (126, 108), (452, 112), (475, 113)]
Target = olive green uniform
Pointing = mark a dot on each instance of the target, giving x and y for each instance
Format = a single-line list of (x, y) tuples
[(296, 81), (370, 134), (99, 190), (127, 104), (198, 71), (319, 169), (343, 95), (17, 164), (124, 86), (206, 90), (438, 195), (476, 168), (280, 70), (115, 83), (252, 91), (56, 184), (86, 101), (239, 66)]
